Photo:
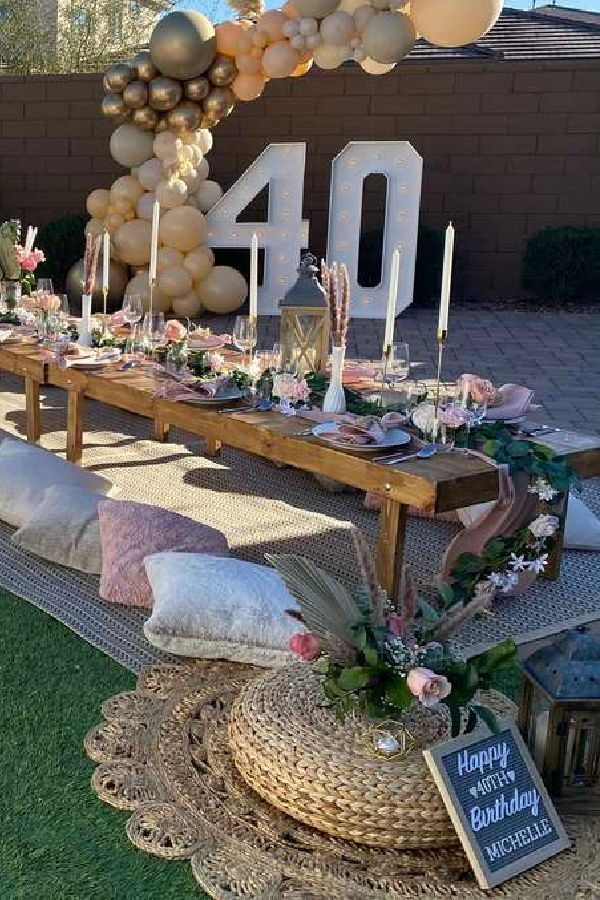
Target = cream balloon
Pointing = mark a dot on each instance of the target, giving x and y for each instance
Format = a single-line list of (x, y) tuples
[(208, 194), (272, 23), (316, 9), (183, 228), (248, 87), (196, 155), (389, 37), (203, 169), (229, 35), (131, 147), (139, 286), (371, 67), (223, 290), (204, 140), (454, 23), (127, 188), (199, 262), (167, 257), (279, 60), (145, 206), (338, 28), (151, 173), (350, 6), (188, 306), (247, 65), (165, 145), (172, 193), (94, 227), (132, 242), (194, 181), (175, 282), (97, 203), (123, 207), (362, 16), (327, 56), (112, 223)]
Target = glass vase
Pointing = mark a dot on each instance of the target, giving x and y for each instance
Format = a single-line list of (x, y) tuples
[(176, 359), (335, 398), (11, 295)]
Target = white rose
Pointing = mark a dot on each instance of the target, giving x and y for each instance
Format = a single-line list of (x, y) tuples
[(424, 416), (544, 526)]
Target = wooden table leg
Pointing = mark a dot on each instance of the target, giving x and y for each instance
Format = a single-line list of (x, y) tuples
[(212, 447), (552, 570), (32, 409), (160, 429), (390, 548), (75, 415)]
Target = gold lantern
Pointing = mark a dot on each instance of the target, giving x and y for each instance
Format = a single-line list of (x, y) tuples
[(559, 717), (305, 322)]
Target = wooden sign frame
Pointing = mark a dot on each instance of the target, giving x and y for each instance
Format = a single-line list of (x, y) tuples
[(487, 878)]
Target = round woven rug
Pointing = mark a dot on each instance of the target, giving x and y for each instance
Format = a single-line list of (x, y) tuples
[(163, 754)]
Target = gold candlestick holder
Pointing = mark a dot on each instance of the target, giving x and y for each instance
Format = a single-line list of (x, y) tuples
[(386, 357), (104, 310), (442, 337)]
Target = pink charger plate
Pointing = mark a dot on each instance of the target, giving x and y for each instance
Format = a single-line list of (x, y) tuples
[(211, 342)]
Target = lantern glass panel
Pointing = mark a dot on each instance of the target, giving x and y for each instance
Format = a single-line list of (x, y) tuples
[(538, 728), (581, 761)]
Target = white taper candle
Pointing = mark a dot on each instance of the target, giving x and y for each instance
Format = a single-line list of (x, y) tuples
[(154, 241), (105, 260), (446, 280), (392, 298), (254, 277)]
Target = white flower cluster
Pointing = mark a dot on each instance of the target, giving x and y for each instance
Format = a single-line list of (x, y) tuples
[(543, 489), (26, 317), (403, 658), (544, 526)]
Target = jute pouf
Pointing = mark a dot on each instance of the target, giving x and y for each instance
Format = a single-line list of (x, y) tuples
[(291, 749)]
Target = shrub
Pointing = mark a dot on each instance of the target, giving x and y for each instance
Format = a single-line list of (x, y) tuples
[(563, 264), (63, 242), (428, 267)]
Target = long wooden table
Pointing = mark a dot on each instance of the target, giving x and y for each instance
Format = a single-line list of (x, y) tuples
[(444, 482)]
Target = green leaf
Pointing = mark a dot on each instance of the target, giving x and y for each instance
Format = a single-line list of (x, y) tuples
[(455, 718), (360, 639), (397, 692), (491, 447), (501, 656), (471, 720), (428, 613), (322, 666), (486, 715), (353, 679), (446, 592), (518, 448), (371, 655)]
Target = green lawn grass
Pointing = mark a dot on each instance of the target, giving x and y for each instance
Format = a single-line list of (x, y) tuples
[(59, 842)]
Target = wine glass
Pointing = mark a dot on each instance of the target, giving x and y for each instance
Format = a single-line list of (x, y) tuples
[(276, 357), (154, 329), (132, 308), (244, 334), (399, 363), (44, 286)]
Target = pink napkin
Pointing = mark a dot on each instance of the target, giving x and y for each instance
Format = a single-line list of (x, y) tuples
[(211, 342), (178, 390), (516, 401), (117, 319)]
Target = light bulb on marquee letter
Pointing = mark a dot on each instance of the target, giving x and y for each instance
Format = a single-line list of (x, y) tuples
[(281, 167), (402, 167)]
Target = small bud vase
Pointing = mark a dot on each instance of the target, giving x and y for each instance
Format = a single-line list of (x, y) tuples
[(85, 326), (335, 398)]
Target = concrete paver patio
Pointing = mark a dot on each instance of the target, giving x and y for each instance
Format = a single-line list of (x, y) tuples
[(557, 354)]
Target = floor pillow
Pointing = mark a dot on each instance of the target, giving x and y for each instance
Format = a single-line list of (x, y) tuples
[(26, 473), (219, 609), (582, 528), (131, 531), (65, 529)]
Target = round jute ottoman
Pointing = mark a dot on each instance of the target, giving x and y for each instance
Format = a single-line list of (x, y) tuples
[(290, 748)]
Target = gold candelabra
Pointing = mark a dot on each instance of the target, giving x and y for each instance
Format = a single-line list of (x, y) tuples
[(442, 337)]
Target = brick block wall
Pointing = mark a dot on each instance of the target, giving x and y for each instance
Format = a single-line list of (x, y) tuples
[(508, 148)]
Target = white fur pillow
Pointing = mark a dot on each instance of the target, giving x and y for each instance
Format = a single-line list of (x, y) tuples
[(582, 528), (26, 472), (219, 608)]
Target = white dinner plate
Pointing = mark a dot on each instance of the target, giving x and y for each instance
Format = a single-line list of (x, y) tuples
[(395, 437), (87, 362), (223, 397)]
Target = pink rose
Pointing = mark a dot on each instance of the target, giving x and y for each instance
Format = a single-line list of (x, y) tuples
[(428, 687), (480, 389), (28, 261), (396, 625), (306, 646), (455, 416), (175, 331)]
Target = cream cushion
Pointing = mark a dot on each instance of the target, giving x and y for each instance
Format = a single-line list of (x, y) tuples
[(219, 608), (65, 529), (26, 473)]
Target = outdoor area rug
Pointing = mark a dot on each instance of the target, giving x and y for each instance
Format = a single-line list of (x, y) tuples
[(259, 507)]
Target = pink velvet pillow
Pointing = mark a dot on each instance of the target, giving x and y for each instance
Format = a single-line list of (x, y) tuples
[(131, 531)]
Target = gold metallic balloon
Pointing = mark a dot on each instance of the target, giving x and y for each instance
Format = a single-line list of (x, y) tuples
[(162, 124), (219, 103), (114, 107), (223, 71), (117, 77), (146, 118), (135, 94), (197, 89), (185, 117), (143, 65), (116, 286), (164, 93), (183, 44)]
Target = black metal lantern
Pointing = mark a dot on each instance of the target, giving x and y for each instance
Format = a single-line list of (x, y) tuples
[(559, 717), (305, 322)]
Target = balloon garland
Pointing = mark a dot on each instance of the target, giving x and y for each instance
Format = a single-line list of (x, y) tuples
[(166, 101)]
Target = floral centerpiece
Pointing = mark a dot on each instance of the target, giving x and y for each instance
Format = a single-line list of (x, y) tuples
[(291, 391), (176, 335), (382, 658), (18, 262)]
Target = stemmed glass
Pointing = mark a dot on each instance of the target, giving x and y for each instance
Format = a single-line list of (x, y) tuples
[(44, 286), (153, 330), (244, 334), (399, 363), (132, 308)]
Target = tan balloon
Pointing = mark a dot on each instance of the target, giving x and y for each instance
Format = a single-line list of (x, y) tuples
[(197, 89), (183, 228), (171, 193), (303, 67), (143, 65), (122, 207), (145, 206), (196, 155), (129, 146), (271, 23), (219, 102), (132, 242), (371, 67), (247, 65), (315, 9), (223, 71), (223, 290), (167, 257), (389, 37), (175, 282), (139, 286), (97, 203), (112, 222), (350, 6), (228, 36), (362, 16), (208, 194), (135, 94), (114, 107), (164, 93), (338, 28), (327, 56), (185, 117), (454, 23), (151, 173), (188, 306), (248, 87), (183, 44), (199, 262), (279, 60), (94, 227), (117, 77), (202, 170), (126, 188)]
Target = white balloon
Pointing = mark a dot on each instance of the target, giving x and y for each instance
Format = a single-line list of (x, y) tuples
[(291, 28), (376, 68), (172, 193), (298, 42), (381, 4), (129, 146), (195, 179), (389, 37), (317, 9), (204, 140), (350, 6), (328, 56), (454, 23), (150, 173), (358, 54), (314, 40), (308, 26), (208, 194), (203, 169), (337, 28), (165, 144), (197, 155), (145, 206)]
